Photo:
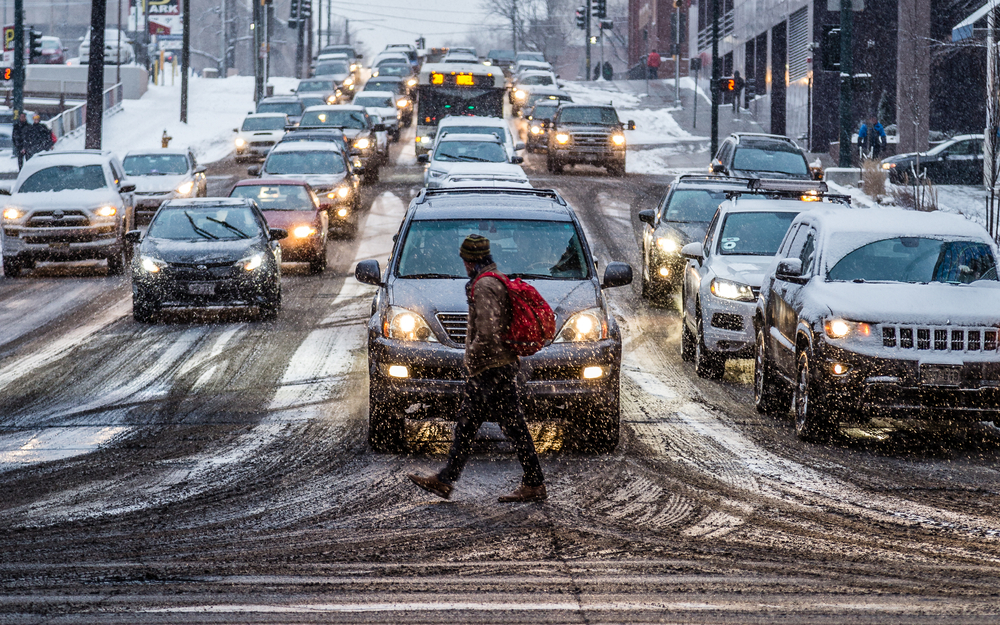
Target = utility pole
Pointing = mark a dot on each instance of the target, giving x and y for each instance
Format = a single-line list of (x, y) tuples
[(513, 27), (716, 75), (95, 71), (223, 40), (258, 49), (300, 29), (846, 78), (18, 77), (677, 53), (590, 13), (185, 58)]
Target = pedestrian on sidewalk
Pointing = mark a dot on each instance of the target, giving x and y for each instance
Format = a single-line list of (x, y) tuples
[(738, 85), (490, 392), (17, 138), (653, 65), (871, 139), (37, 138)]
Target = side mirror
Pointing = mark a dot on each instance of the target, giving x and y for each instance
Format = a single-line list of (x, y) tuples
[(517, 160), (128, 187), (236, 129), (694, 251), (520, 144), (617, 274), (293, 89), (648, 216), (133, 236), (277, 234), (4, 190), (630, 125), (253, 170), (788, 269), (200, 169), (423, 158), (379, 128), (718, 168), (361, 56), (368, 272)]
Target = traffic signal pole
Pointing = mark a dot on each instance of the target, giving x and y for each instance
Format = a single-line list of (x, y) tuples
[(590, 11), (185, 58), (716, 75), (95, 74), (846, 77), (18, 77)]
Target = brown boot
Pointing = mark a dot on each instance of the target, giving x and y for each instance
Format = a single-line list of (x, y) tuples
[(431, 484), (525, 493)]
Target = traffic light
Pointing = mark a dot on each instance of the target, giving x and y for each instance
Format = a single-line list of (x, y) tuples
[(293, 14), (607, 24), (581, 17), (305, 9), (600, 8), (830, 48), (727, 83), (34, 44)]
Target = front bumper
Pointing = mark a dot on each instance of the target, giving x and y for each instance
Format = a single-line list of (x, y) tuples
[(672, 264), (570, 154), (218, 286), (305, 249), (727, 326), (62, 244)]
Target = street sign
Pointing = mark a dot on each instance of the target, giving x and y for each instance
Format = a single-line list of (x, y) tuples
[(8, 45)]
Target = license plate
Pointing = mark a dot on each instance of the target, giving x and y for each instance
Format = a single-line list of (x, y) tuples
[(201, 288), (931, 375), (59, 245)]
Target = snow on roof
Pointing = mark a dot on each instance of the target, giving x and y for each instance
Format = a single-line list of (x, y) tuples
[(307, 146), (893, 222), (458, 136), (380, 94), (255, 115), (459, 120), (157, 152)]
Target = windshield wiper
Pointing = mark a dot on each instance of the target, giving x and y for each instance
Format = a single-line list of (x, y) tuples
[(197, 230), (225, 224), (464, 157), (533, 276), (419, 276)]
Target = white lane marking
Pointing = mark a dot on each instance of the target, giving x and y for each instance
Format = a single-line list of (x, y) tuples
[(30, 447)]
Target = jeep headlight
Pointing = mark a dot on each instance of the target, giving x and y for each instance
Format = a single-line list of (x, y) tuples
[(727, 289), (348, 81), (363, 143), (668, 245), (437, 174), (106, 211), (536, 130), (332, 99), (240, 142), (842, 328), (150, 264), (302, 232), (339, 192), (618, 140), (402, 102), (185, 188), (562, 138), (520, 95), (586, 325), (404, 325), (11, 213), (411, 82)]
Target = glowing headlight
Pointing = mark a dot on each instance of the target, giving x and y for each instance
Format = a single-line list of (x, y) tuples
[(302, 232), (841, 328), (425, 139), (252, 262), (348, 81), (240, 142), (402, 102), (727, 289), (341, 192), (186, 188), (354, 67), (150, 264), (362, 143), (107, 211), (11, 213), (331, 99), (586, 325), (618, 139), (520, 95), (592, 373), (888, 165), (667, 245), (403, 325), (562, 138), (342, 212), (411, 82), (535, 130)]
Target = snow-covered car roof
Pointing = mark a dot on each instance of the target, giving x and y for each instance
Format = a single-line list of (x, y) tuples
[(459, 120), (378, 94), (758, 205), (157, 152), (54, 159), (265, 115), (336, 107), (485, 138), (307, 146)]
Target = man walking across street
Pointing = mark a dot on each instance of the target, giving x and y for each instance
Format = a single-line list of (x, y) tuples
[(653, 64), (490, 392), (18, 137)]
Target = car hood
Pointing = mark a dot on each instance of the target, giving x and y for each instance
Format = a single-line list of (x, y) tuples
[(924, 304), (564, 296), (571, 128), (200, 251), (316, 181), (70, 199), (774, 175), (684, 231), (388, 114), (497, 169), (290, 219), (254, 135), (745, 269), (158, 184)]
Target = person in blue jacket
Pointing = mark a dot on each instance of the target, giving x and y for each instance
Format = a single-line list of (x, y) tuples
[(871, 138)]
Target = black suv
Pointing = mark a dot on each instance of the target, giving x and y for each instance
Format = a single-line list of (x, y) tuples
[(416, 334), (585, 133), (753, 155), (358, 128)]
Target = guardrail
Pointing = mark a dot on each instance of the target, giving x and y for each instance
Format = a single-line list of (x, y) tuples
[(72, 120)]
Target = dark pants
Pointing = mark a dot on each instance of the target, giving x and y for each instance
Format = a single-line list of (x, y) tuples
[(653, 72), (20, 159), (492, 396)]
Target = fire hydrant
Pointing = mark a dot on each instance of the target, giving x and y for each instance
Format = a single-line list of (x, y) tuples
[(165, 140)]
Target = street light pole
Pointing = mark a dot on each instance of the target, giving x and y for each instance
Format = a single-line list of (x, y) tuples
[(716, 75), (95, 73), (185, 59), (846, 76)]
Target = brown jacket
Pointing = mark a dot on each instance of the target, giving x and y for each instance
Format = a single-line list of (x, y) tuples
[(489, 322)]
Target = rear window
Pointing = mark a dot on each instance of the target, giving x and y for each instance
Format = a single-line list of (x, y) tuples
[(917, 259), (548, 250), (65, 177), (277, 197), (773, 158), (288, 108), (311, 162), (754, 233)]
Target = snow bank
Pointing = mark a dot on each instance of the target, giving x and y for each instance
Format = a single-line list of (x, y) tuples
[(602, 92)]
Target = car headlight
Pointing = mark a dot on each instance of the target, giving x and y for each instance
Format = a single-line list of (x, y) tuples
[(727, 289), (252, 262), (411, 82), (331, 99), (425, 139), (888, 165), (403, 325), (535, 130), (354, 67), (402, 102), (240, 142), (841, 328), (106, 211), (586, 325), (363, 143), (562, 138), (667, 245), (301, 232), (12, 213), (520, 95), (437, 174), (348, 81), (185, 188), (618, 139), (342, 212), (150, 264), (340, 192)]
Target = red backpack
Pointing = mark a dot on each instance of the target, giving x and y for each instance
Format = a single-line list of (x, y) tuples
[(532, 322)]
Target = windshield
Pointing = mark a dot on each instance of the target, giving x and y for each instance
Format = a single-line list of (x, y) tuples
[(755, 233), (332, 68), (693, 205), (917, 259), (155, 164), (316, 100), (536, 80), (539, 249), (530, 56), (470, 151), (376, 102), (383, 85), (394, 69), (264, 123), (315, 85), (281, 197), (288, 108), (543, 112), (213, 223), (310, 162), (773, 158), (589, 115), (335, 118), (65, 177)]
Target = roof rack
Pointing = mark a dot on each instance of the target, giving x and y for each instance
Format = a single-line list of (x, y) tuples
[(807, 190), (425, 193)]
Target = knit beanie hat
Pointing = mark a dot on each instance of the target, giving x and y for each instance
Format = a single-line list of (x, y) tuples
[(474, 247)]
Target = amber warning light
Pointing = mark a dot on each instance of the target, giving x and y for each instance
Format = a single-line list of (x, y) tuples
[(464, 80), (6, 73)]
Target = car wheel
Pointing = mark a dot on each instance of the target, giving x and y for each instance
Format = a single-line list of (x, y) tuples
[(11, 268), (318, 265), (687, 343), (269, 309), (617, 170), (812, 419), (597, 429), (769, 393), (385, 426), (707, 364), (116, 264), (142, 310)]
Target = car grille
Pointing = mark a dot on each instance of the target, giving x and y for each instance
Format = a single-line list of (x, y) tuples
[(940, 339), (261, 144), (727, 321), (200, 271), (67, 219), (454, 325), (85, 236), (593, 139)]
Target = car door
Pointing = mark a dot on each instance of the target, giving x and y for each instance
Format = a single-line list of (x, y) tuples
[(785, 299), (957, 162), (695, 272)]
